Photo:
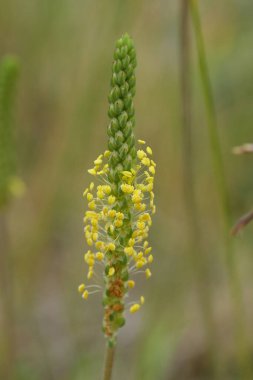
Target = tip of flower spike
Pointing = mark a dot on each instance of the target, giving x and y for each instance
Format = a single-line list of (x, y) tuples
[(148, 273), (125, 40)]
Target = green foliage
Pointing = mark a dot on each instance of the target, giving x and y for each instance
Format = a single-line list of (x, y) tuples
[(8, 76)]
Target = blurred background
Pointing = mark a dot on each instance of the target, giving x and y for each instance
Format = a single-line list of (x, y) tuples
[(65, 49)]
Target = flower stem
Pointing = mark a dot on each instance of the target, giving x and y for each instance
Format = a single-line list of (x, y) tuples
[(109, 359), (8, 301), (219, 171), (197, 258)]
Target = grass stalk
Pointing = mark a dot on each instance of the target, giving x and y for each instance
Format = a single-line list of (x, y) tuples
[(8, 326), (8, 76), (219, 172), (109, 360), (198, 262)]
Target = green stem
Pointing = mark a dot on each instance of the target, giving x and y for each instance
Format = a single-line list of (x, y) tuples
[(8, 302), (109, 359), (198, 262), (233, 276)]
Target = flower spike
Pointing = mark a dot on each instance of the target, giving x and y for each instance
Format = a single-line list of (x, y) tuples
[(120, 208)]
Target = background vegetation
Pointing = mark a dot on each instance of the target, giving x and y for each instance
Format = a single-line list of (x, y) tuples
[(65, 49)]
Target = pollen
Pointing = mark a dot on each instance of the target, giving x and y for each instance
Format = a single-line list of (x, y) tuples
[(150, 259), (149, 150), (152, 169), (111, 213), (148, 250), (85, 295), (131, 284), (100, 245), (92, 171), (81, 288), (129, 250), (90, 274), (118, 223), (111, 271), (148, 273), (107, 189), (141, 154), (134, 308), (145, 161), (131, 242), (127, 174), (100, 194), (99, 256), (92, 205)]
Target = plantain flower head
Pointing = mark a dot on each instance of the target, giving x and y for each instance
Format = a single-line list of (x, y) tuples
[(121, 205)]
